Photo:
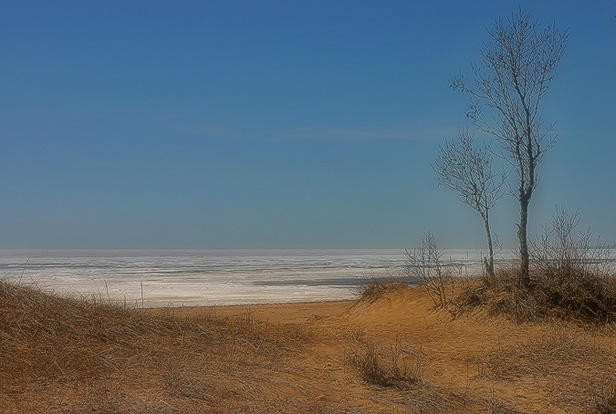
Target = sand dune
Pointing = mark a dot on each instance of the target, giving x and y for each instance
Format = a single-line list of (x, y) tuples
[(391, 354)]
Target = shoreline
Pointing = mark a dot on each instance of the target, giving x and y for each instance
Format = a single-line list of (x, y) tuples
[(175, 278)]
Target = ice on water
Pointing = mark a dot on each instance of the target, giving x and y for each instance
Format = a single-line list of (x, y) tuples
[(208, 277)]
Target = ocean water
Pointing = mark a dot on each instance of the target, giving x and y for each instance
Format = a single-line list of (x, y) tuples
[(209, 277)]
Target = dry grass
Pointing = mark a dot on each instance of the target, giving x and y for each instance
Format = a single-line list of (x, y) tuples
[(373, 290), (557, 349), (572, 279), (396, 366), (396, 374), (567, 363), (606, 403), (390, 354), (63, 355), (561, 293), (67, 355)]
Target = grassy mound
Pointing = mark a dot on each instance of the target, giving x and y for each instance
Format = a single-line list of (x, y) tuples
[(573, 279), (556, 292), (66, 355)]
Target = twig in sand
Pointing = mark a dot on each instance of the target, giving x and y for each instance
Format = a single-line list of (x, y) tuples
[(23, 271), (107, 288)]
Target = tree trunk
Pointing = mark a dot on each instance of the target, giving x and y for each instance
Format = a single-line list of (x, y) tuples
[(522, 228), (490, 261)]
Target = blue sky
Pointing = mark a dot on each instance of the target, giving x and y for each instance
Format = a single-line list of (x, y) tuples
[(275, 124)]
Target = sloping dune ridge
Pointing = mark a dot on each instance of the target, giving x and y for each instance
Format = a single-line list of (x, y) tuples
[(389, 353)]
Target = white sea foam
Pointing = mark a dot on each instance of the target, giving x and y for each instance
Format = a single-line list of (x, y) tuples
[(210, 277)]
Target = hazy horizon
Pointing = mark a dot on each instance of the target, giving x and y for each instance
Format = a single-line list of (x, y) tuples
[(279, 125)]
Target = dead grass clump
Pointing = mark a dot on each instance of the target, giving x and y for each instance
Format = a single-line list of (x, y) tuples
[(396, 366), (499, 295), (265, 337), (574, 278), (562, 294), (373, 290), (575, 293)]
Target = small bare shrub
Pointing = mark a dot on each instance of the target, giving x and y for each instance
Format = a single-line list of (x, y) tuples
[(426, 265), (558, 250), (501, 295), (394, 366)]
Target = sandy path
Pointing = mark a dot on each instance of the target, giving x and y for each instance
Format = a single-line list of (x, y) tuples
[(467, 363)]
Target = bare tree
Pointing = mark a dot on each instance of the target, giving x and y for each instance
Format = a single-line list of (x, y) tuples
[(467, 170), (520, 62)]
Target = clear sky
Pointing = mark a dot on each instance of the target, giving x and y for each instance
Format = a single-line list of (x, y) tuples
[(275, 124)]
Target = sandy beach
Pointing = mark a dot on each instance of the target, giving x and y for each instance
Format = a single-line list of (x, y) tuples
[(468, 364), (388, 352)]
